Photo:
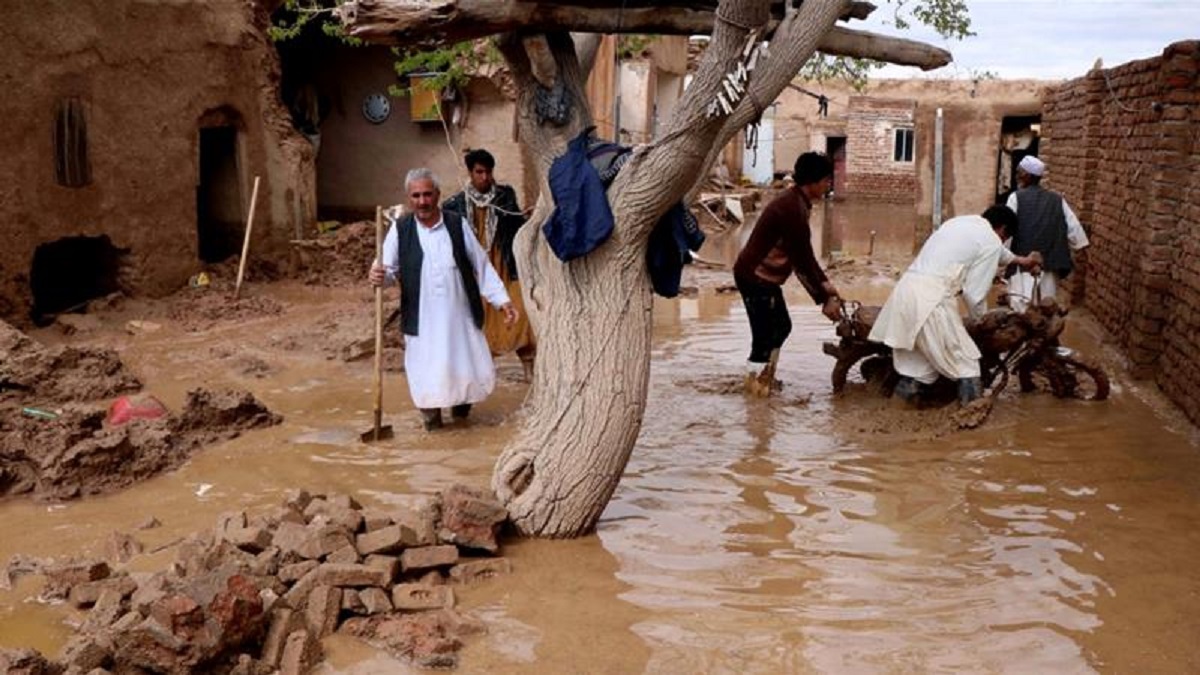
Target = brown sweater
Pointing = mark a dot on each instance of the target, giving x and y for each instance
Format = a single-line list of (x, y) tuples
[(780, 243)]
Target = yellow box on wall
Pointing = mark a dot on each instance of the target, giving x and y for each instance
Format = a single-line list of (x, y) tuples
[(423, 98)]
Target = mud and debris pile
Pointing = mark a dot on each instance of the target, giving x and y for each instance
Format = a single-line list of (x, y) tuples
[(30, 372), (348, 335), (198, 309), (855, 271), (258, 592), (341, 257), (55, 441), (77, 453)]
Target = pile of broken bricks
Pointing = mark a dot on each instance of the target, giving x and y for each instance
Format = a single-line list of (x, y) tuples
[(259, 592)]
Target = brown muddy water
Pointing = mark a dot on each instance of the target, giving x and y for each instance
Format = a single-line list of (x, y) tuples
[(746, 536)]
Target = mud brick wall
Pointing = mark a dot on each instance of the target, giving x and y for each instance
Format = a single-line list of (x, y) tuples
[(871, 171), (148, 78), (1123, 146)]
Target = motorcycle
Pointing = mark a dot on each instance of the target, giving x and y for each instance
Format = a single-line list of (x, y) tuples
[(1025, 343)]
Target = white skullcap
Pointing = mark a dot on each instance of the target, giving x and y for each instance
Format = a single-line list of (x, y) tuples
[(1032, 165)]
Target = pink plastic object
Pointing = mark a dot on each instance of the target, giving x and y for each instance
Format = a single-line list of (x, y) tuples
[(140, 407)]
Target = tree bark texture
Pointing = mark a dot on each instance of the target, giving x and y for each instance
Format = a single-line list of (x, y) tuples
[(439, 21)]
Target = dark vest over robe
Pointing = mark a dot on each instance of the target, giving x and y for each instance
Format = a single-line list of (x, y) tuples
[(409, 258), (1042, 227)]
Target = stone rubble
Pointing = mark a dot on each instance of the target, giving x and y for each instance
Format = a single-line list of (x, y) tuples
[(256, 594)]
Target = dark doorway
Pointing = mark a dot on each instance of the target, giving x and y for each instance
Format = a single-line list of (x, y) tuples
[(69, 272), (218, 196), (835, 149), (1019, 136)]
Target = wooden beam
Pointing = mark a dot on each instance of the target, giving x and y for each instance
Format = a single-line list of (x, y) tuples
[(413, 21), (416, 23), (863, 44)]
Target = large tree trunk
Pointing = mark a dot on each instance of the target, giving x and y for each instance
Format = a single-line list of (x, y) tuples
[(592, 319), (592, 316)]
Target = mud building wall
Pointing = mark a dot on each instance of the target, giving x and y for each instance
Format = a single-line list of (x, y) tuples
[(362, 164), (145, 76), (1123, 146)]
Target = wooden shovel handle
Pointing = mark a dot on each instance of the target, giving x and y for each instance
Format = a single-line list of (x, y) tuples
[(378, 324), (237, 288)]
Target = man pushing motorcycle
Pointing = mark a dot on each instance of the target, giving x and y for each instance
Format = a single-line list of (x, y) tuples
[(920, 320)]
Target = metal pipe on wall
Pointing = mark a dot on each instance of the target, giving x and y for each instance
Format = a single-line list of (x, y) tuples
[(937, 170)]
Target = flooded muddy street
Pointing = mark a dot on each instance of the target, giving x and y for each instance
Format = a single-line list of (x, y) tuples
[(803, 533)]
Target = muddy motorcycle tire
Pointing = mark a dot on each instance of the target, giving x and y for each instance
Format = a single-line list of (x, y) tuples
[(1065, 377), (848, 354)]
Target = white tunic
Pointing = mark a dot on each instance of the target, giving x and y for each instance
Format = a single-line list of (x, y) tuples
[(921, 315), (449, 362)]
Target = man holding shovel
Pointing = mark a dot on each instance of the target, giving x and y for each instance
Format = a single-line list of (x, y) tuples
[(444, 276), (781, 244)]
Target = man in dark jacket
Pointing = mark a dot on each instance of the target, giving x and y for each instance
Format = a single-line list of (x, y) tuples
[(781, 244), (491, 212)]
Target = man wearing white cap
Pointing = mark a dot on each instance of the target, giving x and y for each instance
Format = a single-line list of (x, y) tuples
[(1045, 224)]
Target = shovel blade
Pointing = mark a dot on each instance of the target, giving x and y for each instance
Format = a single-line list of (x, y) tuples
[(377, 434)]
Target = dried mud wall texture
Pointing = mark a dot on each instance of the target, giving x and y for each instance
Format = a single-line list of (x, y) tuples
[(362, 165), (1123, 146), (148, 73)]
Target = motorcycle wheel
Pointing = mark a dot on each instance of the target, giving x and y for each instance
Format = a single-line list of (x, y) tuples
[(1089, 381), (1065, 377)]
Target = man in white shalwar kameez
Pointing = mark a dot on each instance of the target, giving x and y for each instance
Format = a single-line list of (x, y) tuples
[(444, 276), (920, 320)]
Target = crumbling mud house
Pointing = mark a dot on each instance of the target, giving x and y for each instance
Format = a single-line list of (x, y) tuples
[(134, 132)]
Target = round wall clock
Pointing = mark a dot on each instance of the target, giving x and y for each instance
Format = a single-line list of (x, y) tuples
[(376, 108)]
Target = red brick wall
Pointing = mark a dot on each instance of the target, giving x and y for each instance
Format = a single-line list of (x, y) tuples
[(871, 171), (1123, 146)]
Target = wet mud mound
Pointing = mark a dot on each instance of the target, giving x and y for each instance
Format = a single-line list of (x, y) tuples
[(863, 410), (258, 593), (211, 416), (76, 453), (732, 385), (348, 335), (340, 258), (857, 271), (33, 375), (198, 309)]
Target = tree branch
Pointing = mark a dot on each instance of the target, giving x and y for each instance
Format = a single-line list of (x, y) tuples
[(541, 60), (586, 47), (694, 138), (438, 21), (861, 44)]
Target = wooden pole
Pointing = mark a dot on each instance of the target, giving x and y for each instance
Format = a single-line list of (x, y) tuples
[(378, 326), (237, 289)]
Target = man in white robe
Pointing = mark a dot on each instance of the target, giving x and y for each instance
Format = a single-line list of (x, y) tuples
[(920, 320), (444, 275), (1046, 224)]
